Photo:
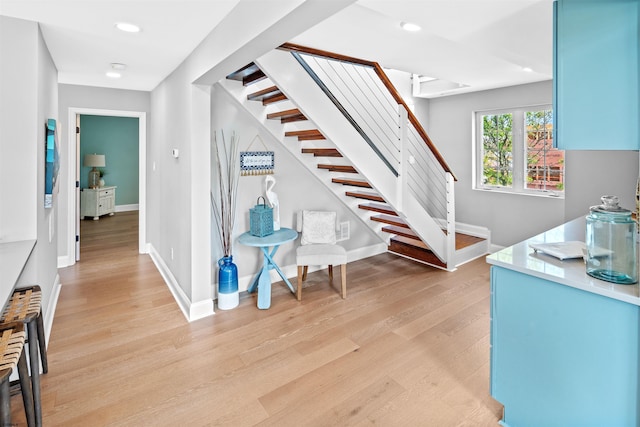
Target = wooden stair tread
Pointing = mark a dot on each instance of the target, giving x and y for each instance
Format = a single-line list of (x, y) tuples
[(273, 99), (287, 116), (410, 241), (352, 182), (462, 240), (415, 252), (338, 168), (363, 195), (269, 95), (401, 231), (322, 152), (306, 135), (378, 207), (256, 77), (243, 72), (259, 95), (391, 220), (465, 240)]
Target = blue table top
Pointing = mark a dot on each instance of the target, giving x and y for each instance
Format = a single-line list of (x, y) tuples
[(278, 237)]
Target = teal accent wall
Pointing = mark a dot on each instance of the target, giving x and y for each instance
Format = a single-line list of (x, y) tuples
[(117, 139)]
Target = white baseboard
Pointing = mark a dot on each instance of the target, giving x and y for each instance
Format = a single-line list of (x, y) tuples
[(51, 308), (65, 261), (192, 311), (126, 208), (495, 248)]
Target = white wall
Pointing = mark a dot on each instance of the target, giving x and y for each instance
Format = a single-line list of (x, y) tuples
[(510, 217), (29, 96)]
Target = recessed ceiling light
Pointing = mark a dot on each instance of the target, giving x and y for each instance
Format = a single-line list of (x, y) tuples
[(527, 69), (118, 66), (408, 26), (113, 74), (127, 28)]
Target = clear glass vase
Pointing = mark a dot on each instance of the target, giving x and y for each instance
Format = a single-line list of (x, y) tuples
[(611, 243)]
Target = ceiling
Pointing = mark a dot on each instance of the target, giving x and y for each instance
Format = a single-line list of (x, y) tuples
[(464, 45)]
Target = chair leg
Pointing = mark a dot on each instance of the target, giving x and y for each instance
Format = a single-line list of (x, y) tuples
[(5, 401), (343, 273), (35, 370), (304, 274), (25, 388), (331, 274), (300, 279)]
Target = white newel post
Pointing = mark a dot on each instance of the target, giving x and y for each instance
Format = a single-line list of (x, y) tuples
[(451, 220), (403, 185)]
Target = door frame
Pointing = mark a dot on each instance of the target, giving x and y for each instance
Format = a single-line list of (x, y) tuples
[(73, 216)]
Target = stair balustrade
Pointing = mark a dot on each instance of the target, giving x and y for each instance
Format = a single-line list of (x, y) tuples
[(366, 97)]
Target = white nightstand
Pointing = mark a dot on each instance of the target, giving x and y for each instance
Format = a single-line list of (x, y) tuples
[(97, 201)]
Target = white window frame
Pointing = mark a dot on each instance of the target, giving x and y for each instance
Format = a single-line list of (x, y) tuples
[(519, 155)]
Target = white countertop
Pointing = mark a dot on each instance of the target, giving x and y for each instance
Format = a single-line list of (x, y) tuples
[(520, 257), (13, 257)]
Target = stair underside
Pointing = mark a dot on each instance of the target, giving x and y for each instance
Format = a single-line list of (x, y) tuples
[(247, 74)]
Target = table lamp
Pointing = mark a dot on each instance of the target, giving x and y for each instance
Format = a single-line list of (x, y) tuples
[(94, 161)]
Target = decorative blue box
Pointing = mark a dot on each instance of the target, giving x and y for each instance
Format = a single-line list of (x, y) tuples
[(261, 219)]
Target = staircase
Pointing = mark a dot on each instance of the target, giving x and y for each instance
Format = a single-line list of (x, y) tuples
[(366, 181)]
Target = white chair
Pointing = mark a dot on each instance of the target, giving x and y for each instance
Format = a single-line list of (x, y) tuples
[(318, 246)]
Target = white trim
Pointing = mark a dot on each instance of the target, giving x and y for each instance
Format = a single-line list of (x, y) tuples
[(71, 183), (128, 208), (495, 248), (519, 153), (51, 308), (191, 311)]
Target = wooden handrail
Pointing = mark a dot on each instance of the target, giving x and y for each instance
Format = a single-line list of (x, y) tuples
[(387, 83)]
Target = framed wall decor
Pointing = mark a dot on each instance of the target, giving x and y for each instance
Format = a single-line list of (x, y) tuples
[(51, 165), (257, 162)]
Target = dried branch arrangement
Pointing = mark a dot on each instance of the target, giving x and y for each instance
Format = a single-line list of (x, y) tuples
[(223, 202)]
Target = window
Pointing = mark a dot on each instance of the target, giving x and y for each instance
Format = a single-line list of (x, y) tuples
[(515, 153)]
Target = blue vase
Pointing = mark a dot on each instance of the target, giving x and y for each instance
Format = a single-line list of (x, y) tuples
[(228, 296)]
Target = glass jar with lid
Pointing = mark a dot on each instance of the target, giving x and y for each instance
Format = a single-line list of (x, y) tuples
[(611, 243)]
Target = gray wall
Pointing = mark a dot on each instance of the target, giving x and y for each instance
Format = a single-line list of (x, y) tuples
[(511, 217), (592, 174), (29, 95)]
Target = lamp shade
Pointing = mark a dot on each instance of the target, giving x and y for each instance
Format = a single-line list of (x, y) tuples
[(94, 160)]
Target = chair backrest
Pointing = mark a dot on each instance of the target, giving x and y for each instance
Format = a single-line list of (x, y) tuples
[(317, 227)]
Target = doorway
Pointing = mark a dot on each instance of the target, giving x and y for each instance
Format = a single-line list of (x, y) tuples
[(75, 168)]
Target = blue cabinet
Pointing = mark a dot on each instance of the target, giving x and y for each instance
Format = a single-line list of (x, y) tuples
[(596, 81), (561, 356)]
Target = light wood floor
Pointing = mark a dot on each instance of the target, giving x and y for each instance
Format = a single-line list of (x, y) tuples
[(408, 347)]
